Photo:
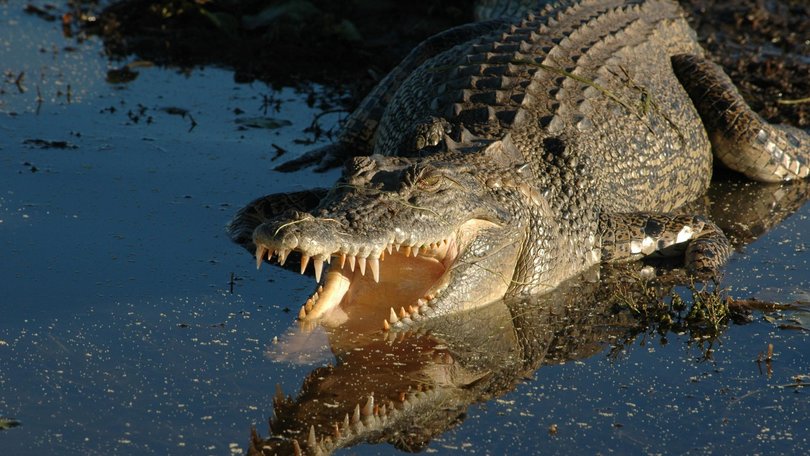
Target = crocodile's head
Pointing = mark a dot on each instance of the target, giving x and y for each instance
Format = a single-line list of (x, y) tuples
[(420, 235)]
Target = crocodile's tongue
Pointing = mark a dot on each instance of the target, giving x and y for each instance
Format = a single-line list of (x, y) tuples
[(349, 297)]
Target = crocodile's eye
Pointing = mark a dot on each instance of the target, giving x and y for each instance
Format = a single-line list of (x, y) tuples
[(429, 183)]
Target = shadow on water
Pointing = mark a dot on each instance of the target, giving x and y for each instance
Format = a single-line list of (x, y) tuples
[(130, 324)]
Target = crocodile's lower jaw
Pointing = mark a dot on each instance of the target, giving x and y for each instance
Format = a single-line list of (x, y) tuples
[(406, 280)]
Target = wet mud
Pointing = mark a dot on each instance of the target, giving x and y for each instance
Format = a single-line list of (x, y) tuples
[(764, 45)]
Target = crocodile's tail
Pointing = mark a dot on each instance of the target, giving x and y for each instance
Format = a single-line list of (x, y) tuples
[(741, 139)]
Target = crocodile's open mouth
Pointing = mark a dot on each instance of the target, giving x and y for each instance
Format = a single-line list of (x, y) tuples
[(400, 281)]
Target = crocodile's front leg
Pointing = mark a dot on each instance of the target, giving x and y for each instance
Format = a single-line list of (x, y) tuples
[(632, 236)]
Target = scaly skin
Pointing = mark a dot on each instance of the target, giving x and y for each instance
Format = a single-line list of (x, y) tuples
[(513, 155)]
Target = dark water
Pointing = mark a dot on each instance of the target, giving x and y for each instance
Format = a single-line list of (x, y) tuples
[(119, 332)]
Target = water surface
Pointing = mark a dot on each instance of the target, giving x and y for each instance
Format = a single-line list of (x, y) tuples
[(121, 329)]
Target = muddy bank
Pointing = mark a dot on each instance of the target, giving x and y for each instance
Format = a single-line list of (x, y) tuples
[(763, 44)]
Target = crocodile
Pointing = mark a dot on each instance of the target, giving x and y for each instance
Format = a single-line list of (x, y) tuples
[(504, 156), (405, 387)]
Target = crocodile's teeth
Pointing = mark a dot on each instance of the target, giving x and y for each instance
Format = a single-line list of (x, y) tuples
[(296, 448), (311, 440), (336, 430), (386, 326), (279, 397), (282, 256), (302, 314), (342, 260), (403, 313), (374, 264), (415, 251), (260, 252), (352, 260), (356, 414), (392, 317), (304, 262), (318, 264), (362, 263), (407, 250), (390, 248), (368, 409)]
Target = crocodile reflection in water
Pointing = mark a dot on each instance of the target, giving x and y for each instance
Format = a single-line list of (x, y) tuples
[(406, 388)]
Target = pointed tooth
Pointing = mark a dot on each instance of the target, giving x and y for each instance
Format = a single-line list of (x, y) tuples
[(304, 262), (318, 264), (415, 251), (407, 251), (346, 421), (390, 249), (302, 314), (282, 256), (352, 260), (374, 264), (356, 414), (383, 410), (311, 440), (336, 430), (368, 409), (362, 263), (260, 252), (386, 326), (397, 246), (328, 259), (402, 313), (421, 302), (342, 260), (279, 397), (393, 316), (296, 448)]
